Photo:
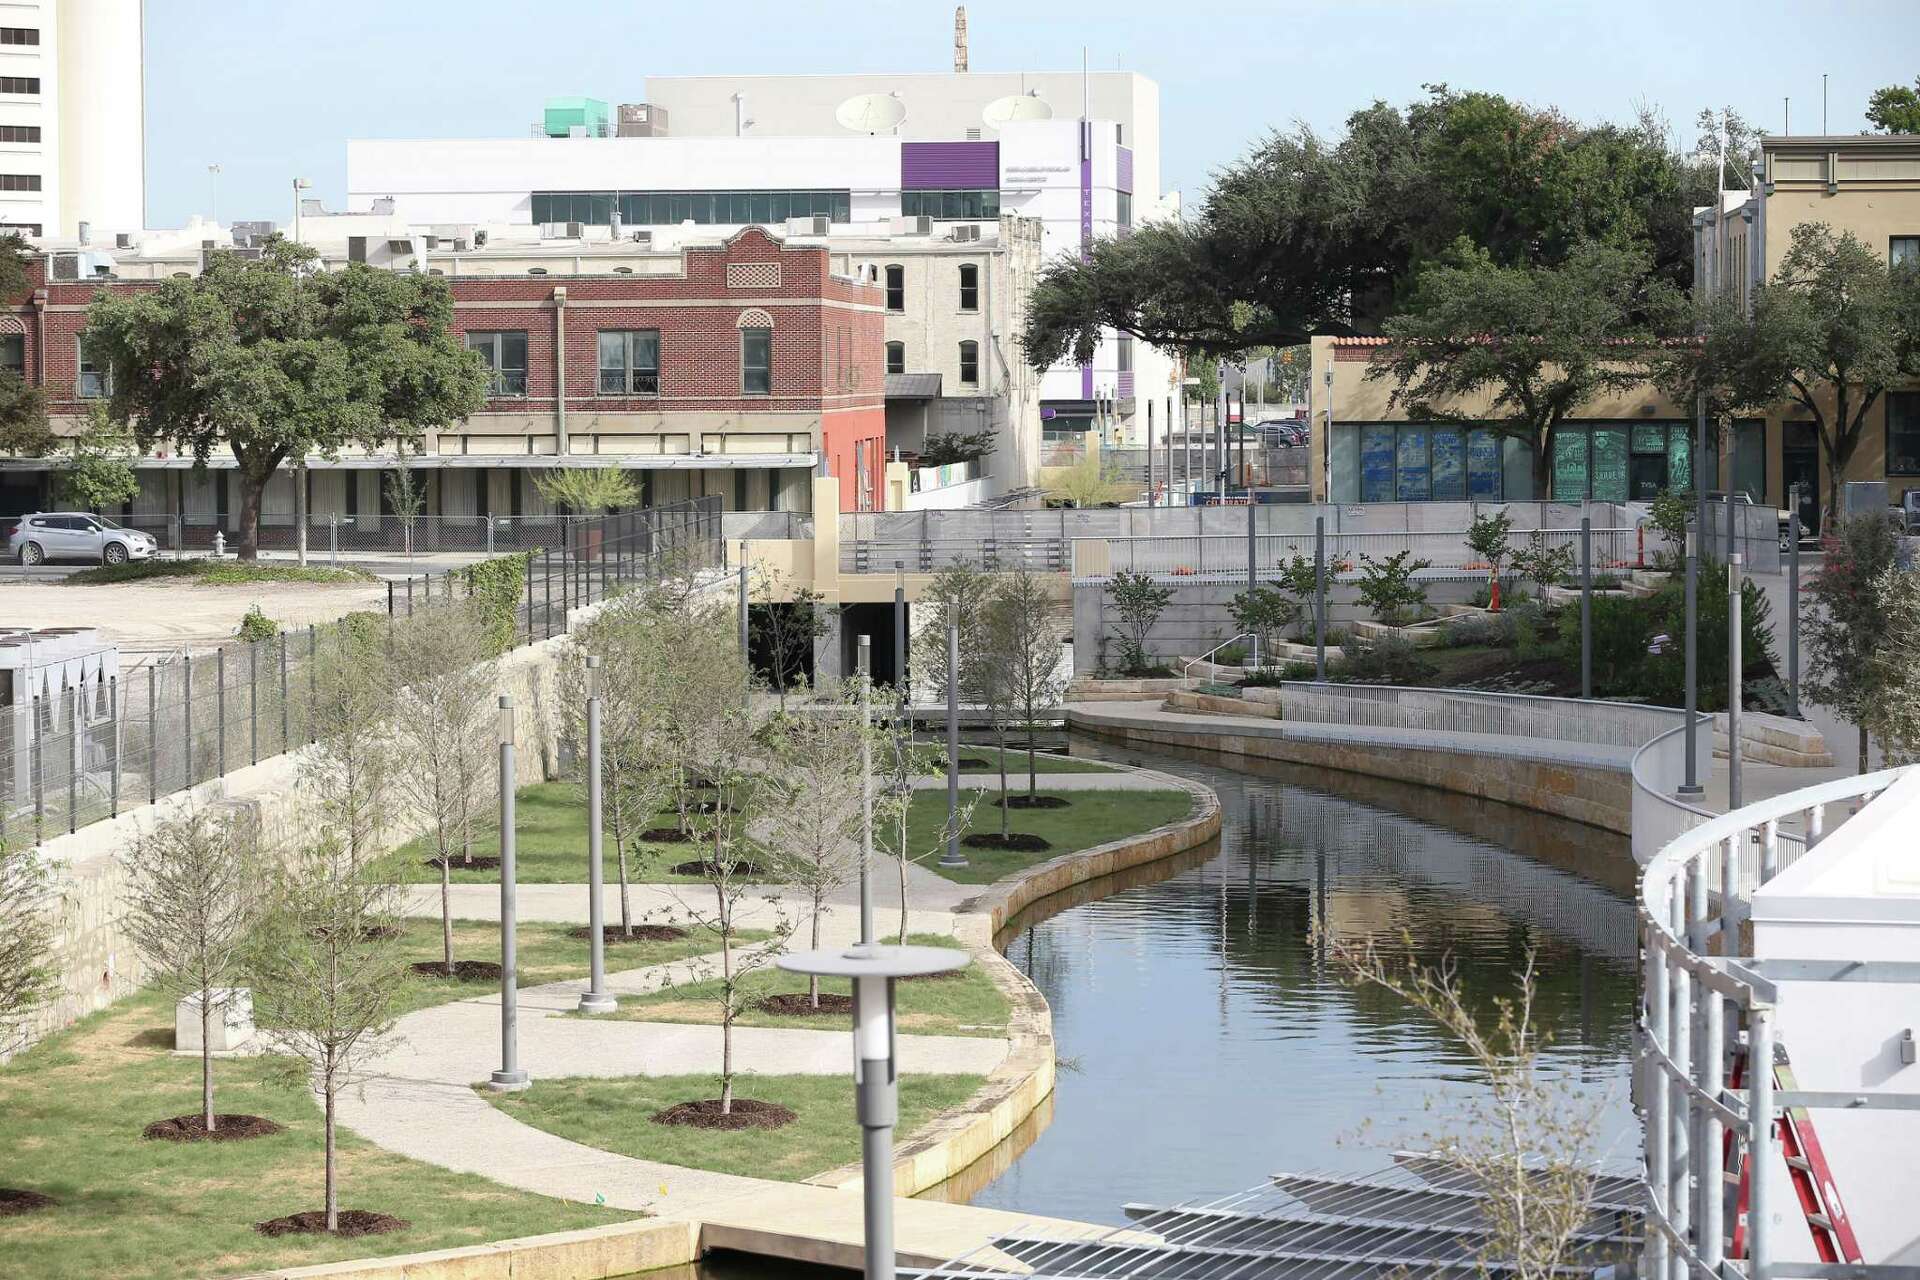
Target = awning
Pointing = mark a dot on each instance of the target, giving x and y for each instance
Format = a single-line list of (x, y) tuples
[(913, 386)]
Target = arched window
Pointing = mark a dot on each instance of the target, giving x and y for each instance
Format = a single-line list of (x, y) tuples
[(896, 357), (896, 287), (970, 364), (969, 287)]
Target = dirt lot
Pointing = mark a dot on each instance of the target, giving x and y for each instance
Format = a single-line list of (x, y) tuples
[(162, 616)]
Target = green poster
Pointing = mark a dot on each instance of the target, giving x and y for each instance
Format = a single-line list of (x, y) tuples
[(1610, 464), (1679, 462), (1569, 465), (1649, 437)]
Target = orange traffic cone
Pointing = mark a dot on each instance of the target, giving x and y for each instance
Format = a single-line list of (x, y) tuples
[(1493, 595)]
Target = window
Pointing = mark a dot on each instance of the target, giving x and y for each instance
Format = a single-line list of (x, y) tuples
[(1903, 251), (19, 84), (670, 208), (1903, 433), (13, 354), (970, 363), (969, 287), (1750, 459), (19, 182), (95, 380), (756, 361), (951, 206), (630, 362), (896, 288), (1123, 209), (1123, 353), (505, 353), (896, 357), (19, 133), (19, 35)]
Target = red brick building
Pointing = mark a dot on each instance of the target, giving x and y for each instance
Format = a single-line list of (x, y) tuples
[(733, 368)]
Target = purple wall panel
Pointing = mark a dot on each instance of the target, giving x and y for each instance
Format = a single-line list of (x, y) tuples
[(1123, 169), (1123, 390), (926, 166)]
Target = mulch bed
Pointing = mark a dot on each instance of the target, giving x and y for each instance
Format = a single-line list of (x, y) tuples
[(746, 1114), (611, 934), (14, 1201), (313, 1222), (709, 869), (796, 1004), (227, 1128), (1017, 842), (665, 835), (461, 864), (463, 970), (1032, 802)]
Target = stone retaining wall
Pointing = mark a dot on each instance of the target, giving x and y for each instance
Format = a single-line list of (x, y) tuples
[(619, 1249)]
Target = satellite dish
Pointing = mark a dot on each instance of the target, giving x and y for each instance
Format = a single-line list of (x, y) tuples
[(870, 112), (1016, 107)]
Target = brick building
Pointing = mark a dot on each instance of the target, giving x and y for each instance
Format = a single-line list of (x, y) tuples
[(733, 367)]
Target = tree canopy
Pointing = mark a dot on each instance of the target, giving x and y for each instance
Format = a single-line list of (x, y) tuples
[(275, 361), (1311, 235), (1896, 108)]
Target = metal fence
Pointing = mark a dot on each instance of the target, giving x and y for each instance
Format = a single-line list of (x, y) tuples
[(104, 743), (331, 534), (1225, 557)]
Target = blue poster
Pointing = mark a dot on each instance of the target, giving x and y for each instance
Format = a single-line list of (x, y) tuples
[(1376, 464), (1414, 480), (1483, 466), (1449, 465)]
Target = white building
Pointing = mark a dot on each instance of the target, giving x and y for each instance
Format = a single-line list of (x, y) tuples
[(1079, 153), (72, 116)]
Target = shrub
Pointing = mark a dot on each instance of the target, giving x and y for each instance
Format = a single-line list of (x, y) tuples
[(1494, 629), (1390, 659), (496, 585), (1139, 601), (1487, 538), (1542, 562), (1264, 612), (1664, 678), (1621, 631), (945, 448), (1532, 628), (1388, 589), (1270, 677), (256, 626), (1672, 512)]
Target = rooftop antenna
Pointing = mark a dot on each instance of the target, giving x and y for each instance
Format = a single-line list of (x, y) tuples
[(1786, 112), (1085, 112), (960, 38), (1823, 105)]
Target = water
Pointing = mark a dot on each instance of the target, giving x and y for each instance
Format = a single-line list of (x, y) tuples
[(1205, 1040)]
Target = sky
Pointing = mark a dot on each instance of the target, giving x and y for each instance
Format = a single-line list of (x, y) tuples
[(270, 90)]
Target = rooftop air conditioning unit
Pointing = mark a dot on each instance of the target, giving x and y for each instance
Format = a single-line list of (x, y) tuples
[(459, 245), (920, 225), (66, 266), (822, 224), (967, 231), (123, 240), (575, 231), (641, 237)]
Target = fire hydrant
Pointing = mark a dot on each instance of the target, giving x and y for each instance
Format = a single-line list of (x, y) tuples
[(219, 544)]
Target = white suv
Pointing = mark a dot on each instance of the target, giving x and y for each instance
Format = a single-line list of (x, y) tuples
[(76, 535)]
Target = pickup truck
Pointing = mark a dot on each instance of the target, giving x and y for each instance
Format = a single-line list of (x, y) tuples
[(1907, 513)]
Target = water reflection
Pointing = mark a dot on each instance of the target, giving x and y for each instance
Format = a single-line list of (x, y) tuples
[(1208, 1042)]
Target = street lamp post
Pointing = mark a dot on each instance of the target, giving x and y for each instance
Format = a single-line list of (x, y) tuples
[(952, 857), (1736, 685), (900, 630), (595, 998), (1793, 601), (510, 1078), (866, 789), (299, 185), (873, 971)]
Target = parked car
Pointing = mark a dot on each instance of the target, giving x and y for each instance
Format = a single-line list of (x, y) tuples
[(1742, 498), (76, 535), (1908, 512), (1281, 432)]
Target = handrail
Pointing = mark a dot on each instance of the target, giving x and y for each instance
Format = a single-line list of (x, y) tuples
[(1192, 662), (1650, 798)]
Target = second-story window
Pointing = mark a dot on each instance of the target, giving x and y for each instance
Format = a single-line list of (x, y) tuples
[(896, 357), (630, 362), (970, 364), (969, 287), (13, 354), (896, 288), (756, 361), (1903, 251), (505, 353), (95, 380), (19, 84)]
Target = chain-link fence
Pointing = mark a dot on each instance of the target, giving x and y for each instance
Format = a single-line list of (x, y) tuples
[(82, 741)]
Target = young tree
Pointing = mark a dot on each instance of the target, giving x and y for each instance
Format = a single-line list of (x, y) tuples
[(326, 973), (785, 628), (1023, 641), (193, 894), (813, 782), (900, 758), (587, 490), (1139, 601), (1841, 621), (1517, 350), (1094, 481), (1528, 1145), (1265, 612), (275, 361), (957, 597), (407, 495), (27, 976), (356, 759), (1487, 538), (445, 666)]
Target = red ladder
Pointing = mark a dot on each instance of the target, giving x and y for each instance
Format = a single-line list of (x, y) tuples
[(1807, 1171)]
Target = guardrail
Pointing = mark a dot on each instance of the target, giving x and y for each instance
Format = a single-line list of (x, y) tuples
[(1523, 715), (1224, 557), (1694, 896), (1659, 770), (329, 534)]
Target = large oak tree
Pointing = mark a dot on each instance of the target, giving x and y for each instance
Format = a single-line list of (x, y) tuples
[(275, 361)]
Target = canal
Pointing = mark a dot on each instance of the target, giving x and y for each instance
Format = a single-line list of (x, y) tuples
[(1206, 1041)]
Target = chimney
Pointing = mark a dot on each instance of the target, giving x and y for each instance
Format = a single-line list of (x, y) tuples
[(960, 38)]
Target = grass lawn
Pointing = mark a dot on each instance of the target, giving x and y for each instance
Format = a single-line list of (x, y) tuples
[(1092, 817), (545, 954), (213, 573), (966, 1005), (616, 1115), (552, 846), (1043, 761), (71, 1114)]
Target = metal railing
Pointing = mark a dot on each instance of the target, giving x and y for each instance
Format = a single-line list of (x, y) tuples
[(1586, 721), (1223, 557), (1660, 816), (1701, 1012), (329, 534), (101, 745)]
